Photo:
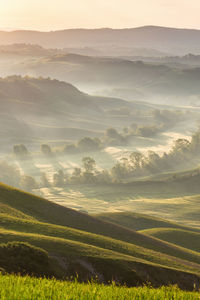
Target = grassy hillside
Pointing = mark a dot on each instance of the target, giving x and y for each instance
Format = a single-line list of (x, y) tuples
[(29, 288), (142, 254), (45, 211), (178, 201), (138, 221), (84, 244), (183, 238)]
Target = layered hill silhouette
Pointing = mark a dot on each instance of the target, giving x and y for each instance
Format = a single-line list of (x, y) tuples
[(92, 247), (187, 237), (46, 109), (160, 38), (141, 222), (116, 77)]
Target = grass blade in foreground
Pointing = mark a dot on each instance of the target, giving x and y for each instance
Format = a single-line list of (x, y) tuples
[(27, 288)]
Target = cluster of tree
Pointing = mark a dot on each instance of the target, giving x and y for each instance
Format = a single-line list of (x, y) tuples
[(86, 144), (20, 151), (136, 165), (87, 173), (144, 130), (114, 138), (183, 153), (10, 174), (188, 58), (162, 120)]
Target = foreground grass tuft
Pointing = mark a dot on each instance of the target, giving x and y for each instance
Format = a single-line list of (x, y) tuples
[(27, 288)]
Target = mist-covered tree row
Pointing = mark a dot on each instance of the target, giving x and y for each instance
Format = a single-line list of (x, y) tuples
[(184, 154), (161, 120)]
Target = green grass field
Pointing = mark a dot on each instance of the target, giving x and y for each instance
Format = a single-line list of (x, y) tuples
[(175, 201), (27, 288), (183, 238), (80, 243), (137, 221)]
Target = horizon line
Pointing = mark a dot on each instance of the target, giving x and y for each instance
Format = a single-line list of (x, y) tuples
[(97, 28)]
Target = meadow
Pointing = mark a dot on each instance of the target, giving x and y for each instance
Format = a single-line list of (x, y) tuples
[(27, 288)]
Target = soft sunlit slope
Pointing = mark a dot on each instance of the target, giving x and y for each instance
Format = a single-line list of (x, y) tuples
[(138, 221), (183, 238), (65, 233)]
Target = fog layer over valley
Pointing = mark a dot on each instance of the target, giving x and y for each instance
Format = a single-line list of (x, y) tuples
[(167, 80), (100, 156), (70, 147)]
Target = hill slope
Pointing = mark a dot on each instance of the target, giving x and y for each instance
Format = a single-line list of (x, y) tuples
[(183, 238), (91, 244), (45, 211), (147, 37), (140, 222), (33, 110), (127, 79)]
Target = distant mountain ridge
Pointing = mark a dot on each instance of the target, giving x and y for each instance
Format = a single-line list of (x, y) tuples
[(160, 38)]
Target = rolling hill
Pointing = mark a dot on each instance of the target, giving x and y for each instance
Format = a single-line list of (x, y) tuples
[(37, 110), (184, 238), (176, 40), (79, 242), (187, 237), (141, 222), (123, 78)]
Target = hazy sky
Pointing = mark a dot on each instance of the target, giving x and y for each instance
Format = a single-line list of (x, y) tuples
[(60, 14)]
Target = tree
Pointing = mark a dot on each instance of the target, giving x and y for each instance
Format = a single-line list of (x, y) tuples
[(44, 180), (181, 146), (89, 169), (20, 151), (152, 163), (118, 172), (76, 176), (28, 183), (45, 149), (59, 179), (71, 149), (77, 172), (89, 144), (112, 133), (137, 159), (89, 164)]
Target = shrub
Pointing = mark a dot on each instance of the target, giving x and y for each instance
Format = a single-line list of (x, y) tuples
[(23, 258)]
